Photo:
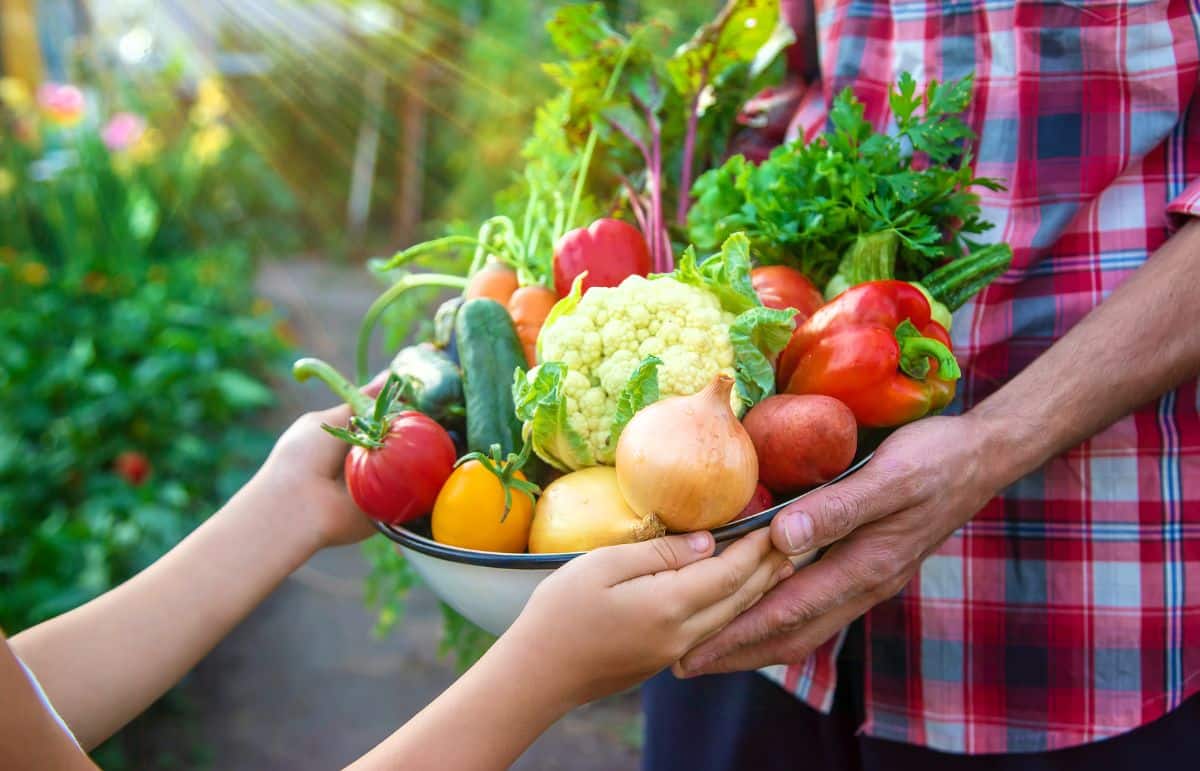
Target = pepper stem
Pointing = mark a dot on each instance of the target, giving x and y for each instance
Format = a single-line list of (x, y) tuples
[(361, 404), (505, 470), (916, 350)]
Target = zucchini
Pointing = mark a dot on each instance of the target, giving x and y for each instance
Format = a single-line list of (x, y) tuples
[(436, 386), (490, 353)]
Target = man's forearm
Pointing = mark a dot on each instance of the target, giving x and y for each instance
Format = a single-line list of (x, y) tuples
[(105, 662), (1136, 345)]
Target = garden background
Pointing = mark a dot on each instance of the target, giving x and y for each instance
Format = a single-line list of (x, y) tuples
[(189, 193)]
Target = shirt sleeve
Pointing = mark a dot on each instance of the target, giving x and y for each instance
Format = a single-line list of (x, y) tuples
[(1186, 204)]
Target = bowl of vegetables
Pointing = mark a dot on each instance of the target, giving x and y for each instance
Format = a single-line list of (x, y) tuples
[(597, 380), (491, 588), (668, 402)]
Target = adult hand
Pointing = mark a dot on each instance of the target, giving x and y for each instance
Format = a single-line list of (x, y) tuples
[(304, 472), (925, 481)]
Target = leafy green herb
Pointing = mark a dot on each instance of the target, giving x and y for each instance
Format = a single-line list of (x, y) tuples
[(669, 114), (808, 204)]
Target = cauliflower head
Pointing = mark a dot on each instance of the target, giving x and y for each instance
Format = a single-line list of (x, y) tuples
[(609, 352), (611, 331)]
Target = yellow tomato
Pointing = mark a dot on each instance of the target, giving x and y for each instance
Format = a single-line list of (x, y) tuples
[(469, 512)]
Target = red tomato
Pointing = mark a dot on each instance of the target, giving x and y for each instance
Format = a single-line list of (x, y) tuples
[(132, 466), (761, 501), (779, 286), (401, 480), (609, 250)]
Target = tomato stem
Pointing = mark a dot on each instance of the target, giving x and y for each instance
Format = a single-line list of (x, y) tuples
[(505, 471), (360, 403)]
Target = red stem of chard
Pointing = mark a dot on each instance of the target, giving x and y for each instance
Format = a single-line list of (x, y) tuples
[(689, 152), (661, 254)]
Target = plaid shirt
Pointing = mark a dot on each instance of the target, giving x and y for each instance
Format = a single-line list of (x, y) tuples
[(1068, 610)]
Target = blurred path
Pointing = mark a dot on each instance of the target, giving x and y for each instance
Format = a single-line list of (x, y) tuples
[(302, 684)]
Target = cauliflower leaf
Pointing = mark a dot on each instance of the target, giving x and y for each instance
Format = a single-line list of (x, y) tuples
[(558, 426)]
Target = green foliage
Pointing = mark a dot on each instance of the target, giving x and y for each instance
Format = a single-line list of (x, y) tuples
[(162, 360), (387, 587), (130, 342), (670, 115), (462, 639), (387, 584), (808, 203)]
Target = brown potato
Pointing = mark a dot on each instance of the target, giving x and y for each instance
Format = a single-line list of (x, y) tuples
[(801, 441)]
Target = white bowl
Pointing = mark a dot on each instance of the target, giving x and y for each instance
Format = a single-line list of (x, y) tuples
[(491, 588)]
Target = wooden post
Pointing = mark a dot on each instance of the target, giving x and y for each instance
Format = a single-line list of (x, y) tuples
[(19, 41), (410, 199), (366, 155)]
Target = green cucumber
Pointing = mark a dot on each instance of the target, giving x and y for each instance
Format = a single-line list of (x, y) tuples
[(490, 352), (436, 386), (959, 280)]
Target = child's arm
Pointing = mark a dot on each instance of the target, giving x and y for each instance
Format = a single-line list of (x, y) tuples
[(600, 624), (103, 663), (29, 735)]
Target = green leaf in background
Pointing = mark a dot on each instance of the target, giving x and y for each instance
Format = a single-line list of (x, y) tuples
[(462, 638), (240, 391), (388, 582), (576, 30), (734, 37)]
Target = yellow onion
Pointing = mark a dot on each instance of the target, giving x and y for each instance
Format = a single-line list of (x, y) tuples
[(687, 460), (584, 510)]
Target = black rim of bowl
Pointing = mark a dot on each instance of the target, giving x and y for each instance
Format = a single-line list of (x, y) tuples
[(525, 561)]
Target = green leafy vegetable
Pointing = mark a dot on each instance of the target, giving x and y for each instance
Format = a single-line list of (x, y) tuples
[(725, 274), (808, 204), (671, 112), (639, 391), (541, 402), (758, 334)]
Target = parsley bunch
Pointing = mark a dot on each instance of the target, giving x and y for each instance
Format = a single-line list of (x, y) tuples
[(854, 194)]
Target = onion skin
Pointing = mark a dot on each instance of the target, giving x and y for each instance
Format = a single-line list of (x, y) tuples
[(584, 510), (687, 460)]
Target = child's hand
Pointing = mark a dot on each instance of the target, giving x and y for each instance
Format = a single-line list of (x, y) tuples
[(618, 615), (304, 470)]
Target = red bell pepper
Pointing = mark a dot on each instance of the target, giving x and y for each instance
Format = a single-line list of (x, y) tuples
[(608, 250), (876, 348)]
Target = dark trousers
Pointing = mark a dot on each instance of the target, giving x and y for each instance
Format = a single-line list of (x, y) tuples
[(743, 722)]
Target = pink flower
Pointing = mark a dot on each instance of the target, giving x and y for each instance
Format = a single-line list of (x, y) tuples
[(62, 104), (123, 131)]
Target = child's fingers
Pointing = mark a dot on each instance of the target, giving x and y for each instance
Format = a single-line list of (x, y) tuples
[(616, 564), (716, 617), (707, 583), (375, 385)]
